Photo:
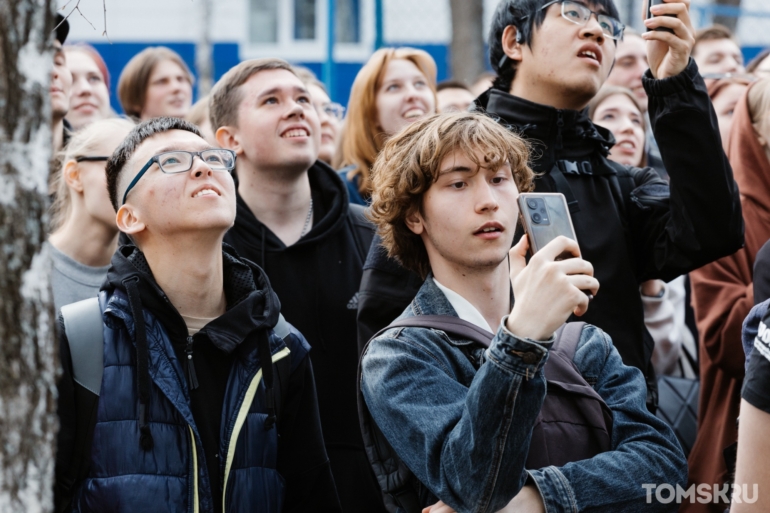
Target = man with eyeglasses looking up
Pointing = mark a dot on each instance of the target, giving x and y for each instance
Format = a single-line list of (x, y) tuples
[(207, 398), (551, 58), (294, 219)]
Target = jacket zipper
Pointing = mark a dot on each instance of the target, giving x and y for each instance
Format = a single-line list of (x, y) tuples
[(192, 378), (240, 419)]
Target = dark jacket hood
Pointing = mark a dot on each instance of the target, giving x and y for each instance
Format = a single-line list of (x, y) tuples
[(330, 200), (251, 302), (566, 134)]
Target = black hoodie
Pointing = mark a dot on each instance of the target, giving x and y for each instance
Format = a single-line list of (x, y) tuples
[(317, 280), (252, 306), (648, 231)]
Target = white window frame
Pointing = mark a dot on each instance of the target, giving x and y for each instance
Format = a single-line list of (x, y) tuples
[(311, 50)]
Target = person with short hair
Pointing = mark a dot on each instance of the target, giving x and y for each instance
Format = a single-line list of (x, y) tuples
[(294, 219), (453, 95), (460, 416), (395, 87), (155, 82), (717, 52), (207, 399), (61, 86), (90, 99), (84, 235)]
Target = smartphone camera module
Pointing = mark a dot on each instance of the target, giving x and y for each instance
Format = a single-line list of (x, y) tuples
[(539, 214)]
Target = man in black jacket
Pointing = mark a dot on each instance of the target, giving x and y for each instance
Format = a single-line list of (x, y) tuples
[(294, 220), (551, 58), (205, 399)]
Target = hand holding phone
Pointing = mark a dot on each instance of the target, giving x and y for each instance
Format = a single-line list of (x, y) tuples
[(544, 217)]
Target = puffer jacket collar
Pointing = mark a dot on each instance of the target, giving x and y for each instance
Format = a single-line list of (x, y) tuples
[(251, 302)]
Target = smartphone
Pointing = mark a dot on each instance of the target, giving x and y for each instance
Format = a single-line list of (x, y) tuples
[(650, 3), (544, 217)]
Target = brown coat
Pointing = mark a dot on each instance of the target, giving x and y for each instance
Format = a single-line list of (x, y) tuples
[(723, 294)]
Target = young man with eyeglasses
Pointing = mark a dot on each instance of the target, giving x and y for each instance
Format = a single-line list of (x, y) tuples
[(551, 58), (207, 399), (294, 219)]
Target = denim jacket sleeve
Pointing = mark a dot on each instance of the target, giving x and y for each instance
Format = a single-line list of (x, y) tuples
[(644, 448), (467, 443)]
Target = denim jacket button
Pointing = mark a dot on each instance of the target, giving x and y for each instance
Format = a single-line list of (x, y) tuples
[(530, 358)]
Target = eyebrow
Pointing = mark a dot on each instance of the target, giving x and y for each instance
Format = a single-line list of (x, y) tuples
[(278, 89), (455, 169), (165, 149)]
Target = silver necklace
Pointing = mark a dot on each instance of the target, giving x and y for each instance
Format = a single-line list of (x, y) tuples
[(308, 220)]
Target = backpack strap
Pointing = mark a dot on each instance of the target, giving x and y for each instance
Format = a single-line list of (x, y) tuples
[(85, 333), (567, 338), (451, 325), (84, 330)]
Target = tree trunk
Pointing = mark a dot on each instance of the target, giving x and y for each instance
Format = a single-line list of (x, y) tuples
[(728, 21), (27, 350), (467, 48)]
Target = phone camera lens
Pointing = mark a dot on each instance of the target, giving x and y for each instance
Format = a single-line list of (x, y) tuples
[(532, 203), (536, 218)]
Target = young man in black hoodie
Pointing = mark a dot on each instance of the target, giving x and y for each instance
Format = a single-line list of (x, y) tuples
[(551, 58), (189, 417), (295, 221)]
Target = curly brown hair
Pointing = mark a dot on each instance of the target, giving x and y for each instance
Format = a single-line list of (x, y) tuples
[(409, 164)]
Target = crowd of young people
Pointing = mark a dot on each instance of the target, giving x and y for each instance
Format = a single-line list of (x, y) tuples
[(270, 302)]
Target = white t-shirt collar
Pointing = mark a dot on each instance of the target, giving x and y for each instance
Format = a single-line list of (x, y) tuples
[(465, 310)]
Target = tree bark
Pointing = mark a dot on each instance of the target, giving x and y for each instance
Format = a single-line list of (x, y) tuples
[(728, 21), (467, 47), (28, 420)]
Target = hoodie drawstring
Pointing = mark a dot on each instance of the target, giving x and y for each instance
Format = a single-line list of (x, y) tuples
[(266, 359), (142, 361)]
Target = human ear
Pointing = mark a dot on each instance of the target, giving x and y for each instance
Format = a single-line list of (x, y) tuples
[(228, 137), (512, 43), (415, 222), (71, 176), (127, 220)]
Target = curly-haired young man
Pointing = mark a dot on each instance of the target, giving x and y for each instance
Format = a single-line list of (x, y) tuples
[(460, 416)]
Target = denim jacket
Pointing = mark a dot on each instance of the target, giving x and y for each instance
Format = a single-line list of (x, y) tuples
[(465, 433)]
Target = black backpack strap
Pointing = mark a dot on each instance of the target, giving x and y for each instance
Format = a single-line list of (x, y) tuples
[(567, 338), (562, 186), (84, 329)]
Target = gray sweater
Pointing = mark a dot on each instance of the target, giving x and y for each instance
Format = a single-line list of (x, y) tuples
[(72, 281)]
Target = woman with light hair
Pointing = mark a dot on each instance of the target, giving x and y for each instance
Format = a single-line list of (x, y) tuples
[(83, 231), (396, 87)]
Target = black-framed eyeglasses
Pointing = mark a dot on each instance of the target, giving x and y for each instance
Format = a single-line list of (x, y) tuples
[(180, 161), (579, 14), (334, 109), (92, 159)]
